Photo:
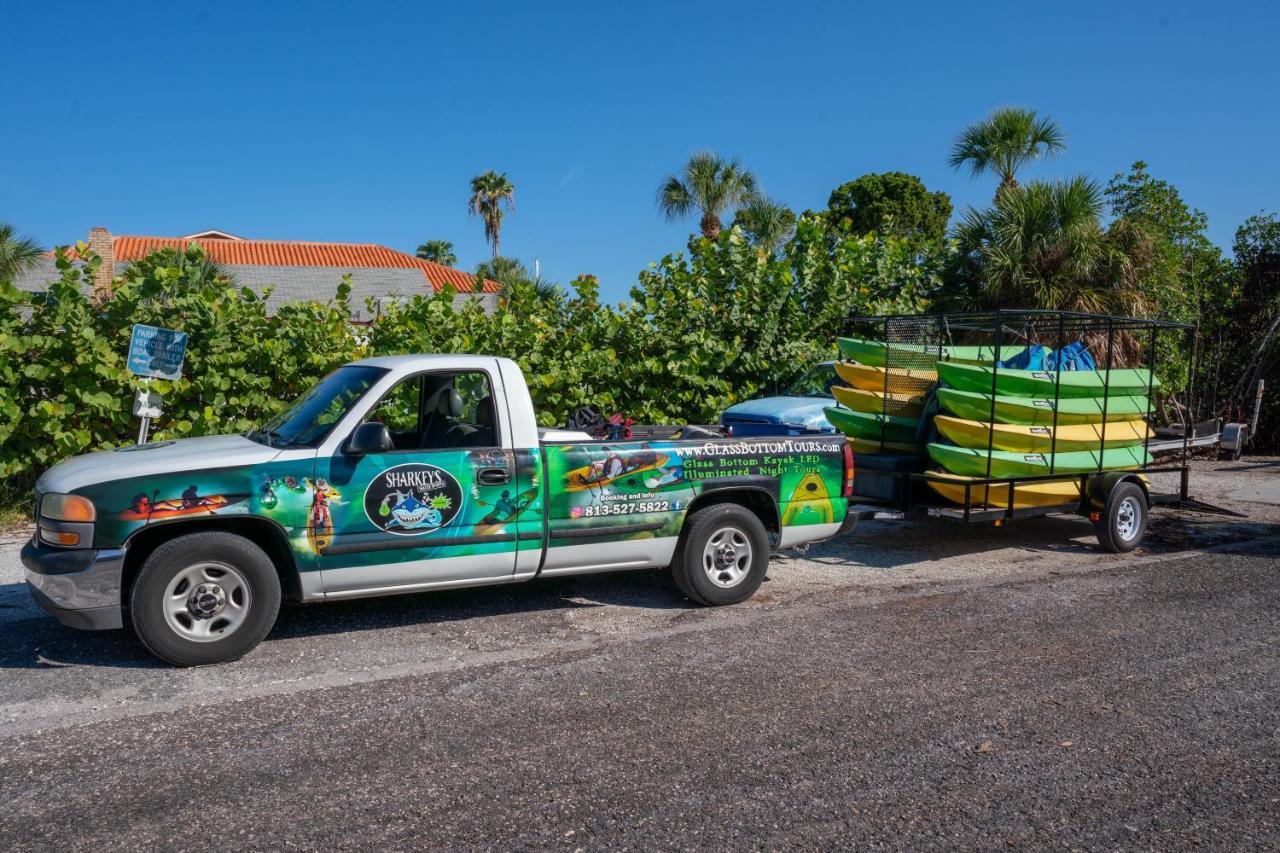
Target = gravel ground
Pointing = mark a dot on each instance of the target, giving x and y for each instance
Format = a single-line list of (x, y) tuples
[(914, 684)]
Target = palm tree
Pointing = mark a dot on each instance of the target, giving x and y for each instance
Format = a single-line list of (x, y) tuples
[(16, 253), (438, 252), (1005, 142), (512, 274), (770, 224), (490, 193), (1043, 246), (710, 185)]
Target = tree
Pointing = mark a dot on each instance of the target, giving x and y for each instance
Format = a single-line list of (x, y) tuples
[(512, 274), (768, 223), (710, 185), (17, 254), (1043, 245), (438, 252), (1006, 141), (490, 193), (894, 204)]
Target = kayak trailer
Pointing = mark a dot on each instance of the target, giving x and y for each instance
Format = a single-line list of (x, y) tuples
[(1025, 345)]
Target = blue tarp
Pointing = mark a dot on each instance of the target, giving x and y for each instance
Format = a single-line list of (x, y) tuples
[(1072, 357)]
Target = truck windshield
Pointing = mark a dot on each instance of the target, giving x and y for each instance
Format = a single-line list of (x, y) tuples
[(313, 415), (816, 382)]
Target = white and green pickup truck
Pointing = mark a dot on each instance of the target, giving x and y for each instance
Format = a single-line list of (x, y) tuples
[(401, 474)]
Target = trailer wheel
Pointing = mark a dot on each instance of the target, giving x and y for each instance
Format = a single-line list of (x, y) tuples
[(204, 598), (723, 557), (1124, 521)]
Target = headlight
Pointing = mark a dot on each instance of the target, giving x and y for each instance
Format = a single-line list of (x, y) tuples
[(67, 508)]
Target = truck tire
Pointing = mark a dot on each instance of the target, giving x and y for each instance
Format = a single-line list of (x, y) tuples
[(723, 555), (204, 598), (1124, 522)]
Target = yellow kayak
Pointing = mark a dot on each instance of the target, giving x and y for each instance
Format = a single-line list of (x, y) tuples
[(900, 380), (1040, 439), (870, 445), (1025, 495), (878, 402), (809, 504)]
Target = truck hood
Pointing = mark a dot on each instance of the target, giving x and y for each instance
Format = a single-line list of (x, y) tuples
[(798, 411), (161, 457)]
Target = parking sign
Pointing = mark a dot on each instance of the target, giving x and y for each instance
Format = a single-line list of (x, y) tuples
[(157, 352)]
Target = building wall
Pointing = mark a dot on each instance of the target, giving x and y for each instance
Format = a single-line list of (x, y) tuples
[(300, 284)]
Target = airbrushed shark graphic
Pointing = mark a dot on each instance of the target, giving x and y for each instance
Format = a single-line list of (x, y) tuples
[(412, 499)]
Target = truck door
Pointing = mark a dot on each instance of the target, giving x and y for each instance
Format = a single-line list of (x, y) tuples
[(439, 507)]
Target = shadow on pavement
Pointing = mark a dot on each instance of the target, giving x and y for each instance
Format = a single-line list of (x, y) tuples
[(41, 642)]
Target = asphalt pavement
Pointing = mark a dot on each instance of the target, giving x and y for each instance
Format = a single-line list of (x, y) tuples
[(1025, 690)]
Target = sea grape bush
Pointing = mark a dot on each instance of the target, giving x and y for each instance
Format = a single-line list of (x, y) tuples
[(703, 330)]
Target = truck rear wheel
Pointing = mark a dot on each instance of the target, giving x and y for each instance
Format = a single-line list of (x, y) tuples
[(723, 556), (1123, 523), (204, 598)]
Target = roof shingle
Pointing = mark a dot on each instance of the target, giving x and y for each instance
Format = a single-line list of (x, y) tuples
[(288, 253)]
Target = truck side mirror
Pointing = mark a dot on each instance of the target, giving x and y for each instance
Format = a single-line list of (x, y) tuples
[(370, 438)]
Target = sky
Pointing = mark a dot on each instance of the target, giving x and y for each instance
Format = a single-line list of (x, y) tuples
[(365, 122)]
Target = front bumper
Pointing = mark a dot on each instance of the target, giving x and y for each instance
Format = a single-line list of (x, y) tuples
[(81, 587)]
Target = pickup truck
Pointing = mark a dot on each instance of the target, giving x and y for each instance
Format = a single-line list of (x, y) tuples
[(400, 474)]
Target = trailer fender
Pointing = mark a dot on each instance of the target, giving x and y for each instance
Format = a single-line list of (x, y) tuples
[(1098, 489)]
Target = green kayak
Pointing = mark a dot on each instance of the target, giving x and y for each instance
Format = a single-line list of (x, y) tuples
[(970, 462), (868, 425), (1038, 410), (1136, 382), (876, 353)]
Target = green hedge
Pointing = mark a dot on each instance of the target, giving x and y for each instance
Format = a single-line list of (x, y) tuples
[(701, 332)]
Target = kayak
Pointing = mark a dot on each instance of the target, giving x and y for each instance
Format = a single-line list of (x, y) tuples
[(809, 504), (873, 445), (1137, 382), (1024, 437), (873, 426), (495, 521), (1025, 495), (177, 508), (972, 462), (896, 379), (593, 477), (1038, 410), (906, 405), (918, 356)]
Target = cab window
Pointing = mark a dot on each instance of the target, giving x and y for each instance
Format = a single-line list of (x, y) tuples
[(440, 411)]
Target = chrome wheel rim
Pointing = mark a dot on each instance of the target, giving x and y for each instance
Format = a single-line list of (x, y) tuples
[(1128, 518), (726, 559), (207, 602)]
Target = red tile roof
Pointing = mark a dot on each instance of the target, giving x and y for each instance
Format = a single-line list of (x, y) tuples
[(288, 253)]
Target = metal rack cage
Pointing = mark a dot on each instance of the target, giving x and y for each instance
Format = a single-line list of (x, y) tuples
[(917, 342)]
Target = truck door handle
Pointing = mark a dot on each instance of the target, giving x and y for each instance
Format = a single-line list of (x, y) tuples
[(494, 476)]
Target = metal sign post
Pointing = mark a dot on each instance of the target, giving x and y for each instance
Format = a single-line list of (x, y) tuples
[(159, 353), (146, 405)]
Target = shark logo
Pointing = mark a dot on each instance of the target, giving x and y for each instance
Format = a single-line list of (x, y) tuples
[(412, 499)]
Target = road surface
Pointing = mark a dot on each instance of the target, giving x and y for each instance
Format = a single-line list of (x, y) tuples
[(903, 687)]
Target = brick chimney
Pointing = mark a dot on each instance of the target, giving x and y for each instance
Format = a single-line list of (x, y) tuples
[(100, 244)]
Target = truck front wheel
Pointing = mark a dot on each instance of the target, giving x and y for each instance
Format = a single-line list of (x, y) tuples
[(204, 598), (723, 556)]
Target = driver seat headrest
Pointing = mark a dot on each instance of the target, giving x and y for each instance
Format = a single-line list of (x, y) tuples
[(449, 403)]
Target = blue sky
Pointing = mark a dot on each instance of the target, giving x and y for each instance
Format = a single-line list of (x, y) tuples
[(364, 123)]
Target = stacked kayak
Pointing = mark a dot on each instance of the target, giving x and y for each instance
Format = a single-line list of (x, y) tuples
[(874, 427), (878, 353), (1001, 422), (993, 422)]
